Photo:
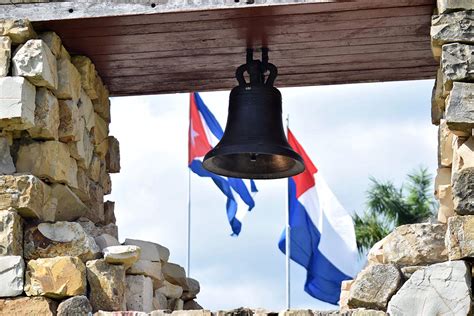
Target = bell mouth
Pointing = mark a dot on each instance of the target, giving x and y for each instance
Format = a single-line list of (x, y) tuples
[(254, 164)]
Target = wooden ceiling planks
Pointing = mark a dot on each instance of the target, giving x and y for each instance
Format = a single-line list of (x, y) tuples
[(310, 43)]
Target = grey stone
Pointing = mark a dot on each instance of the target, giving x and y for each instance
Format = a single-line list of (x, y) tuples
[(69, 121), (96, 230), (113, 156), (409, 270), (460, 108), (53, 41), (69, 80), (5, 55), (88, 75), (46, 116), (147, 268), (159, 301), (451, 27), (457, 63), (192, 305), (68, 206), (440, 289), (82, 149), (192, 290), (6, 161), (86, 110), (17, 103), (175, 304), (11, 234), (463, 191), (125, 255), (12, 269), (109, 212), (74, 306), (460, 237), (106, 240), (170, 290), (445, 6), (149, 250), (374, 286), (175, 274), (437, 99), (139, 293)]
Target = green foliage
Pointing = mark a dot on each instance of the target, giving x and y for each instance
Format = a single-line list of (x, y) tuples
[(389, 207)]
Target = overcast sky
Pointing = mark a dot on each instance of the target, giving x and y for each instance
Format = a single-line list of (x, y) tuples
[(351, 132)]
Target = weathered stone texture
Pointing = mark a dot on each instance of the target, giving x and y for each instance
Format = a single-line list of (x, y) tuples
[(48, 160), (59, 239), (445, 145), (102, 103), (12, 269), (440, 289), (460, 108), (175, 274), (46, 116), (86, 110), (17, 103), (107, 285), (147, 268), (149, 250), (457, 63), (170, 290), (113, 155), (53, 41), (125, 255), (451, 27), (159, 301), (28, 306), (192, 291), (6, 161), (463, 191), (109, 212), (139, 293), (437, 99), (191, 305), (175, 304), (18, 30), (96, 230), (106, 240), (35, 62), (75, 306), (445, 6), (11, 234), (88, 74), (374, 286), (460, 237), (57, 277), (68, 206), (82, 150), (69, 121), (101, 129), (5, 55), (69, 80)]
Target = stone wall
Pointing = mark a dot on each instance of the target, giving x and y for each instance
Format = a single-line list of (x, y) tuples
[(59, 248), (425, 269)]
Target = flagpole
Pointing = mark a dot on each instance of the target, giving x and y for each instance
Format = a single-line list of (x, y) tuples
[(188, 258), (287, 235)]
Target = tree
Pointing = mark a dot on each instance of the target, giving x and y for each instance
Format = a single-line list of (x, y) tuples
[(389, 207)]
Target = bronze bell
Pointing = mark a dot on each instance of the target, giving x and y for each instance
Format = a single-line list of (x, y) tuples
[(254, 145)]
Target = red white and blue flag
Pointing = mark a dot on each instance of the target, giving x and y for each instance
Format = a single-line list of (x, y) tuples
[(322, 236), (204, 133)]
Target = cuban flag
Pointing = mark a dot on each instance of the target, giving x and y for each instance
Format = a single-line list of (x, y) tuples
[(204, 133), (322, 236)]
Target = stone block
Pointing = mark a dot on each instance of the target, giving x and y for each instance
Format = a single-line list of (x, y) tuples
[(416, 244), (27, 194), (82, 190), (463, 191), (107, 285), (446, 205), (109, 212), (193, 305), (160, 302), (53, 41), (437, 99), (460, 237), (86, 110), (19, 30), (344, 297), (457, 64), (106, 240), (175, 304), (76, 305), (445, 6), (5, 55), (69, 80), (12, 269), (463, 153), (124, 313), (94, 168), (192, 291), (56, 278), (48, 240), (48, 160), (123, 255), (6, 162), (69, 206), (149, 250), (105, 182), (102, 103), (408, 271), (96, 230), (374, 286), (11, 234), (88, 75), (102, 148), (101, 129), (170, 290), (35, 62), (46, 116), (445, 145), (440, 289), (82, 150), (113, 155), (64, 53), (96, 203), (460, 108), (17, 103), (139, 293), (28, 306), (175, 274), (69, 121), (147, 268)]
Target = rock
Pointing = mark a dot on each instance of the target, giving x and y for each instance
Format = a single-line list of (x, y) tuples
[(46, 116), (53, 41), (86, 110), (101, 130), (344, 297), (88, 74), (139, 293), (113, 156), (449, 28), (208, 313), (457, 64), (74, 306), (5, 55), (416, 244), (124, 255), (374, 286), (460, 237), (375, 254), (27, 194), (82, 190), (437, 99), (465, 154), (6, 161), (192, 305), (19, 30), (95, 203), (445, 145), (175, 304), (68, 206), (122, 313), (69, 80), (57, 277), (94, 168), (48, 160), (440, 289), (101, 149), (82, 149), (59, 239), (367, 312), (192, 290), (109, 212), (69, 127), (409, 270), (446, 205), (28, 306), (160, 301), (106, 240), (149, 250), (147, 268), (107, 285), (102, 103), (96, 230), (11, 234), (106, 183), (175, 274), (170, 290), (445, 6), (12, 269), (459, 108), (463, 191), (17, 103), (35, 62)]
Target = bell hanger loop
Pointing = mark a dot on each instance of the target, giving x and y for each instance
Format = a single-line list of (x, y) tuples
[(256, 70)]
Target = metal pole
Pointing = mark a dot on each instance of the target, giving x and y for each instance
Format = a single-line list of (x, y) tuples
[(287, 235), (188, 259)]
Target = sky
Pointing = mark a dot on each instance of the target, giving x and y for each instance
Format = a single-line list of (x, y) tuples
[(351, 132)]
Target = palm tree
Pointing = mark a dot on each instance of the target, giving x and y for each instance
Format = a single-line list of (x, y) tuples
[(389, 207)]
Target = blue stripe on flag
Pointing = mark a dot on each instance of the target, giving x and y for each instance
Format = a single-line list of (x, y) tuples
[(323, 280), (210, 119)]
